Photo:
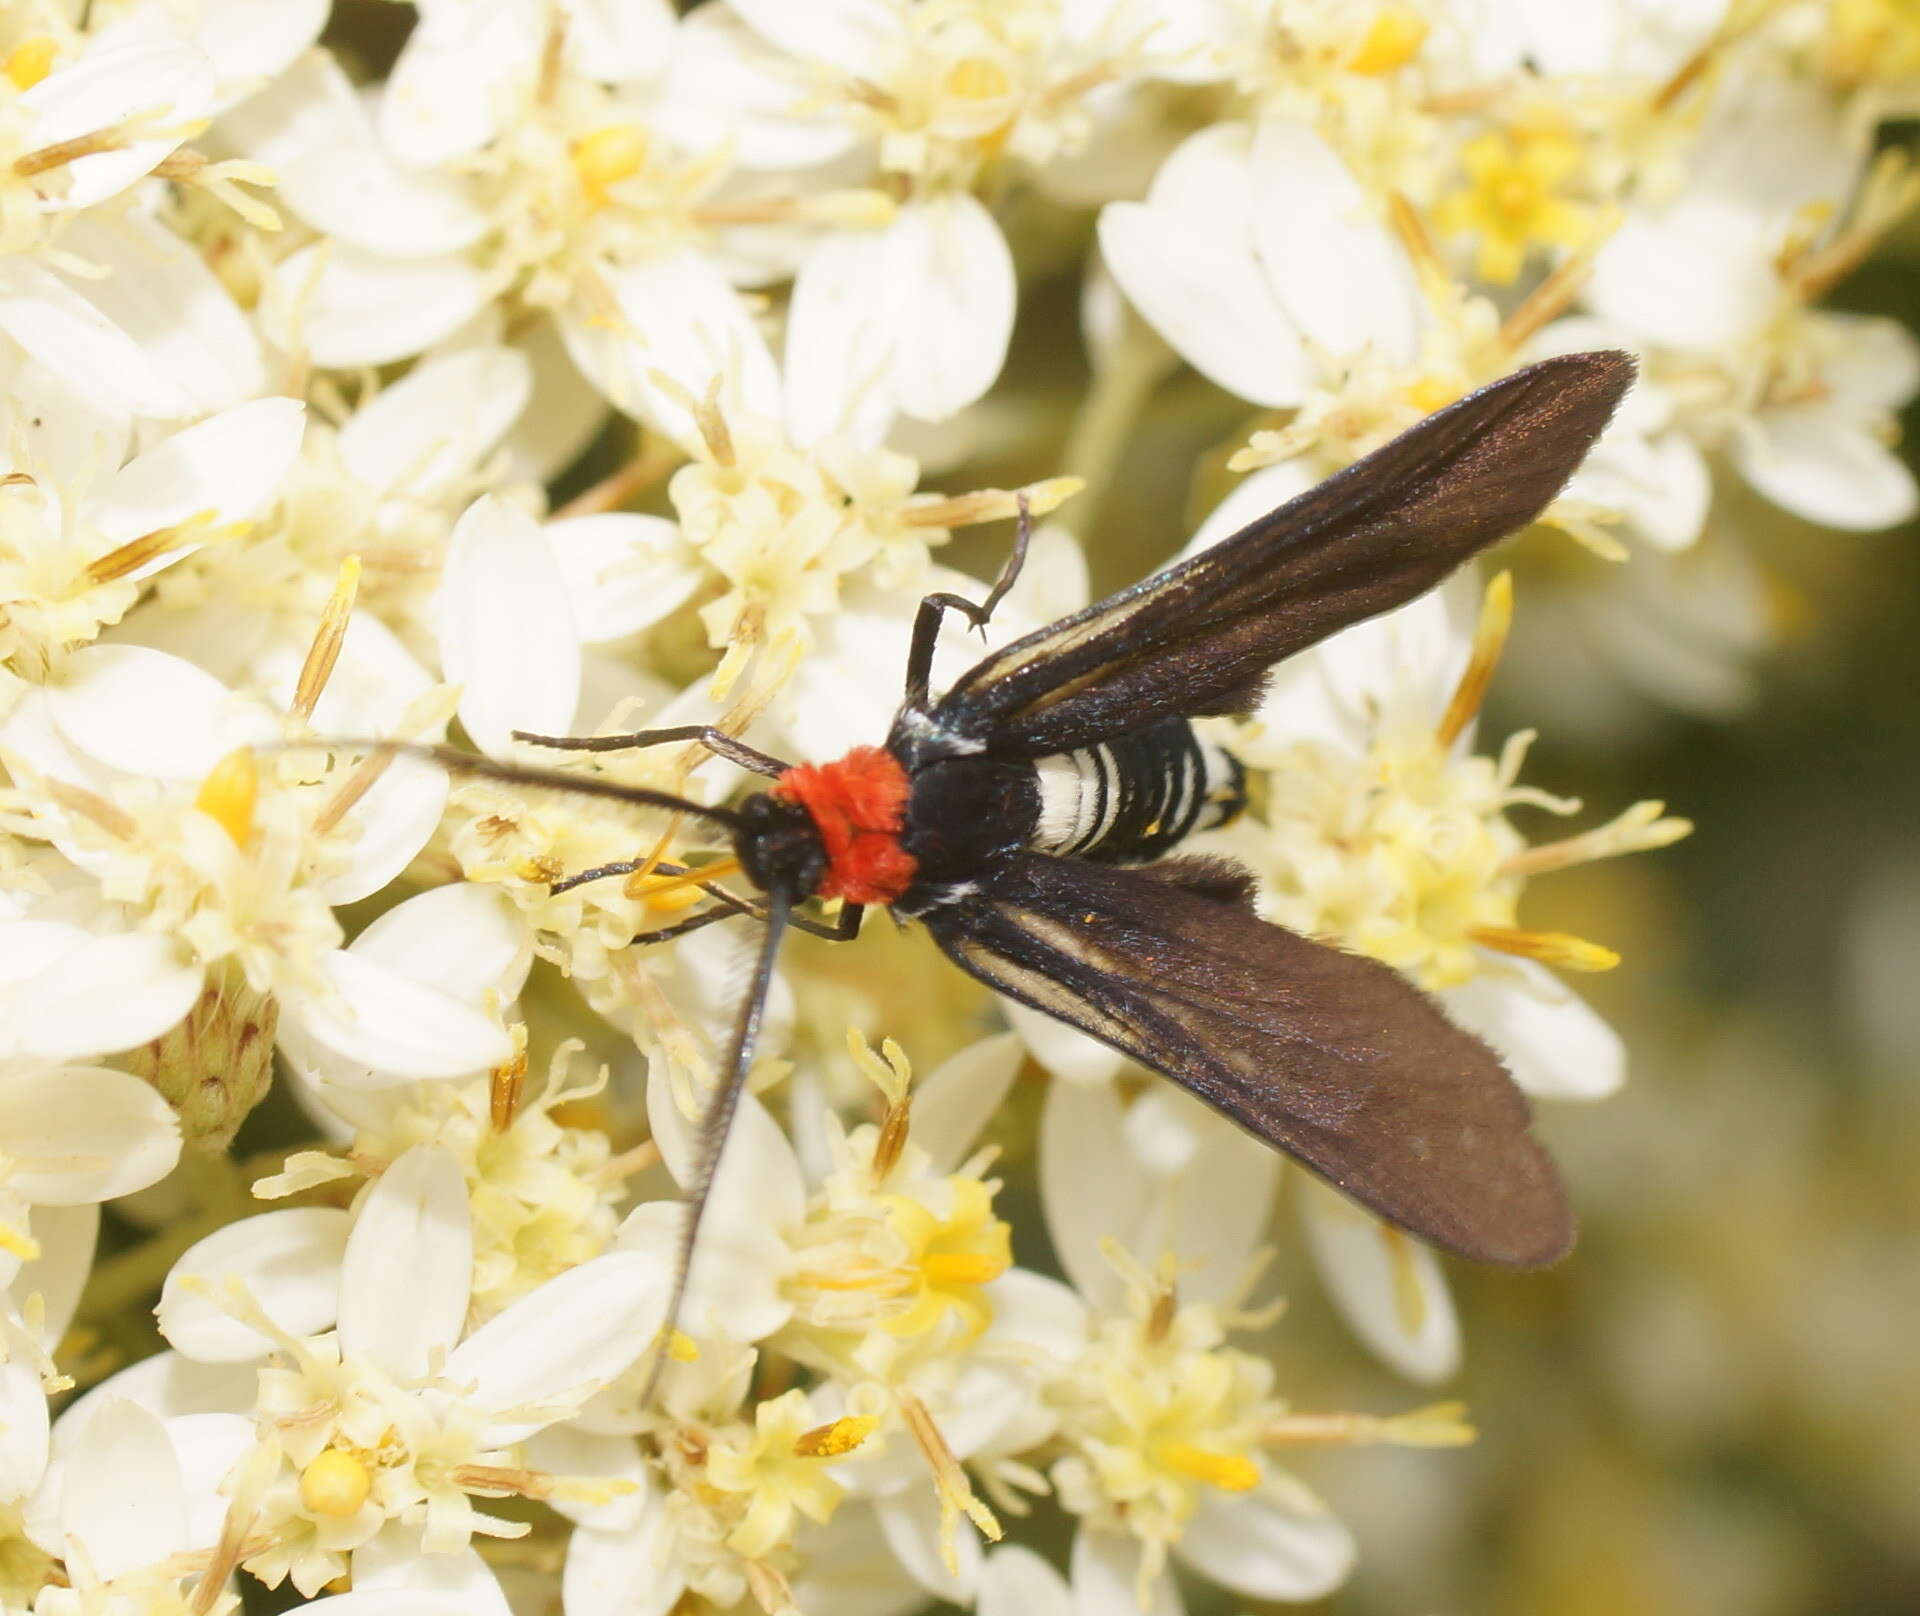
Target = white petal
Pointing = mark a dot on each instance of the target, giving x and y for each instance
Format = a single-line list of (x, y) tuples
[(564, 1341), (392, 1565), (72, 338), (84, 1133), (1876, 365), (860, 37), (567, 412), (250, 42), (1203, 291), (373, 1017), (727, 85), (122, 1504), (1213, 1188), (566, 1450), (1090, 1186), (735, 1287), (160, 292), (109, 994), (465, 940), (1661, 485), (66, 1236), (1015, 1581), (229, 466), (1822, 463), (206, 1447), (23, 1427), (408, 1270), (758, 1170), (506, 631), (1387, 1286), (394, 820), (455, 77), (622, 572), (960, 1098), (159, 83), (1338, 270), (1557, 1046), (167, 1384), (1697, 277), (625, 1573), (288, 1261), (1106, 1578), (437, 422), (619, 40), (958, 312), (910, 1521), (342, 306), (149, 713), (1265, 1548), (683, 320)]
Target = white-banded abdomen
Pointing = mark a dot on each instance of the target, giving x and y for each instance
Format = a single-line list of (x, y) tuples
[(1131, 800)]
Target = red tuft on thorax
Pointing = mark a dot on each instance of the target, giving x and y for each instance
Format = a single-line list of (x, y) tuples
[(858, 804)]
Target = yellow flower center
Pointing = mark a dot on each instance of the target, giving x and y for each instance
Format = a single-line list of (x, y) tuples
[(31, 60), (978, 78), (335, 1484), (1513, 198), (229, 793), (1212, 1467), (602, 159), (1873, 39), (1394, 40)]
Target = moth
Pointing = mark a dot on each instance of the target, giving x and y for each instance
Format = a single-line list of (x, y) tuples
[(1029, 816)]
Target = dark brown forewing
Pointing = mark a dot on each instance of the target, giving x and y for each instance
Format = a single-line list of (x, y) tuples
[(1331, 1057), (1200, 637)]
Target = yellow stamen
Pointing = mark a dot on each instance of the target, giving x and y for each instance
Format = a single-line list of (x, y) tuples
[(956, 1493), (602, 159), (327, 639), (1640, 829), (31, 60), (944, 1268), (1489, 639), (1438, 1425), (993, 504), (638, 883), (1549, 947), (1230, 1472), (229, 792), (335, 1484), (506, 1085), (136, 553), (18, 1243), (659, 885), (682, 1348), (63, 152), (1430, 393), (1393, 41), (840, 1436)]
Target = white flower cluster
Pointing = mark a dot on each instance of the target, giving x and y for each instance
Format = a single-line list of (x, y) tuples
[(294, 353)]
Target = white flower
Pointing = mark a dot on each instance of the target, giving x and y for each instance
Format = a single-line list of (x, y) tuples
[(395, 1420)]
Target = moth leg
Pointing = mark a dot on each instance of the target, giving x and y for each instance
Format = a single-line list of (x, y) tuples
[(926, 623), (716, 741)]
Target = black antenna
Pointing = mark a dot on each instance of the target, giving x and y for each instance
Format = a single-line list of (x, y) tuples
[(718, 1119), (522, 774)]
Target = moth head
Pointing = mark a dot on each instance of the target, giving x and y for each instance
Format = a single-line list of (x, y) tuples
[(778, 844)]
